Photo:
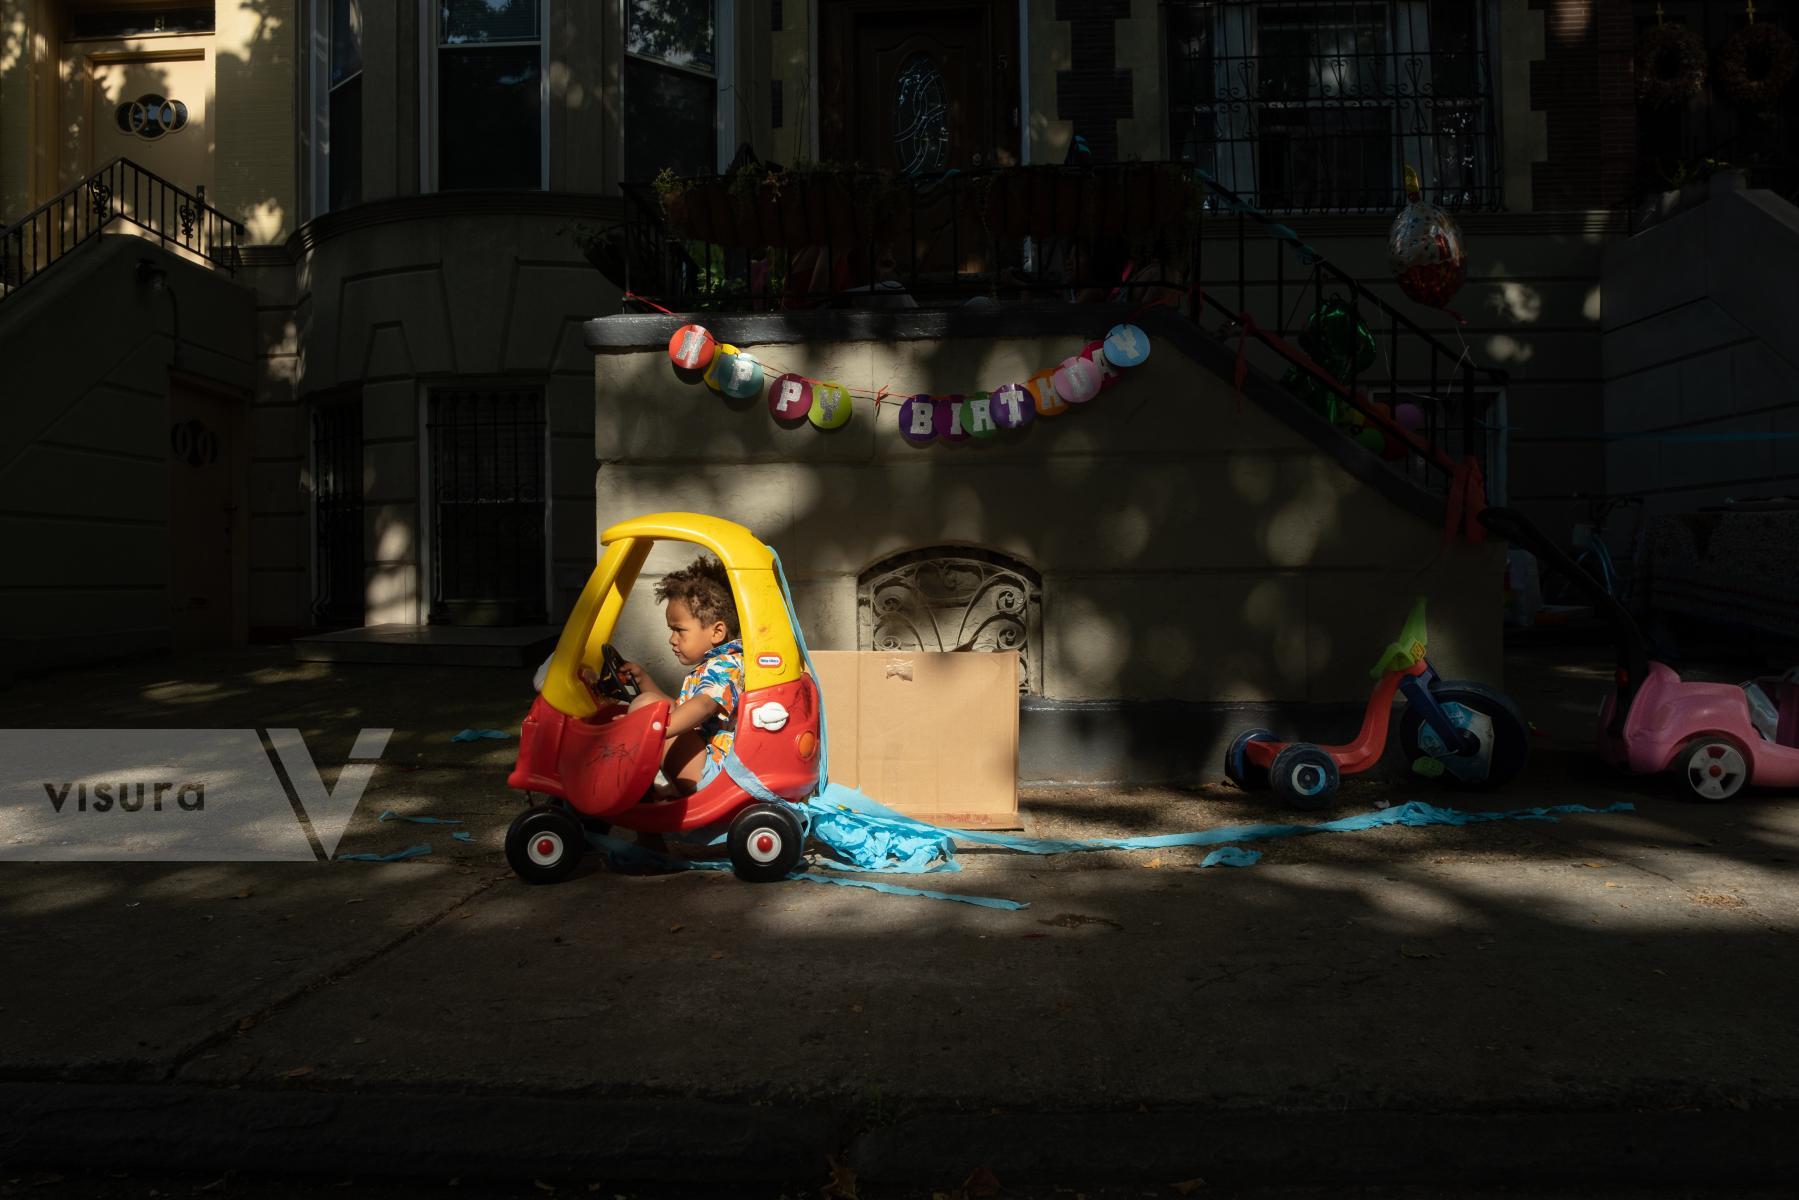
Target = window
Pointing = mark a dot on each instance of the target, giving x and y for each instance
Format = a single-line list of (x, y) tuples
[(488, 505), (1321, 105), (343, 106), (490, 102), (677, 87)]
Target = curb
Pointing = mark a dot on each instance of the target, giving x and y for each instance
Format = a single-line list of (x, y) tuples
[(423, 1135)]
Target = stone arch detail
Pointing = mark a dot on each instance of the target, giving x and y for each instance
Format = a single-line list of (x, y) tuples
[(954, 598)]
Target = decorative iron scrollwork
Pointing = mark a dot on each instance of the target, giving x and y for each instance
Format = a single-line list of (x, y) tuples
[(954, 598), (100, 197), (920, 117)]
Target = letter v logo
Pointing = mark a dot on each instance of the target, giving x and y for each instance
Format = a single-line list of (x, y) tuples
[(330, 811)]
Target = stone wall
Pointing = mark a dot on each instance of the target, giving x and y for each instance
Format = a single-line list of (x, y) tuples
[(1195, 551)]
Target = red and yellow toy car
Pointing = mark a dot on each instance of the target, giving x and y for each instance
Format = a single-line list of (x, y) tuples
[(583, 746)]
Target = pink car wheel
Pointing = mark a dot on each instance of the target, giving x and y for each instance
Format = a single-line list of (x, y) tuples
[(1713, 768)]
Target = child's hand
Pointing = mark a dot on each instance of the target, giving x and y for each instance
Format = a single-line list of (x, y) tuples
[(635, 675)]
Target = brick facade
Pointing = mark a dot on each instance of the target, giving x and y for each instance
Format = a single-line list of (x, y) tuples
[(1584, 87)]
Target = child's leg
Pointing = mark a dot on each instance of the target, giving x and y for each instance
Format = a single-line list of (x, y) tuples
[(683, 761)]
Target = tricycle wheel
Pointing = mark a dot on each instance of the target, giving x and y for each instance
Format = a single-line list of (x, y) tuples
[(1712, 768), (765, 843), (1237, 767), (544, 845), (1303, 776), (1511, 736)]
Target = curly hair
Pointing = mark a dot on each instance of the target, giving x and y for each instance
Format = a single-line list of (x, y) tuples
[(705, 589)]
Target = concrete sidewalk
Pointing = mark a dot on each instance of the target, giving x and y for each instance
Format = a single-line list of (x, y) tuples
[(1604, 998)]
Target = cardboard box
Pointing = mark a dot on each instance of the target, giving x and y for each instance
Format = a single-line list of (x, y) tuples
[(931, 735)]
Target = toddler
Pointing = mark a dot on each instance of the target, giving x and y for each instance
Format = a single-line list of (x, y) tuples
[(702, 632)]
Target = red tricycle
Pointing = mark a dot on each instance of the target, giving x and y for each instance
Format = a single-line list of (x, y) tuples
[(1464, 731), (583, 746)]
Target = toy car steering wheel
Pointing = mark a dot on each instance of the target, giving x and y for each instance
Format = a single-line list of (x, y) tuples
[(610, 678)]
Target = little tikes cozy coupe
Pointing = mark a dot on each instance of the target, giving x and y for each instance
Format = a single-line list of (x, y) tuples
[(583, 746)]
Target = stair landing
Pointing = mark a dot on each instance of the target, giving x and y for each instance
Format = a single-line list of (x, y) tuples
[(432, 645)]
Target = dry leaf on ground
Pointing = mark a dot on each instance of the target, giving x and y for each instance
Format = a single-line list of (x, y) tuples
[(296, 1072)]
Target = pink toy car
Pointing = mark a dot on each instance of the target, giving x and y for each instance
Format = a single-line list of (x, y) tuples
[(1719, 738)]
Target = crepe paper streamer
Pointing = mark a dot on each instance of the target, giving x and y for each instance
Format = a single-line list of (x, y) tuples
[(741, 376), (1012, 406), (691, 348), (894, 889), (391, 815), (1076, 380), (977, 416), (1232, 856), (475, 735), (1095, 353), (917, 420), (830, 405), (462, 835), (398, 855), (947, 418), (790, 398), (1127, 346), (1043, 393)]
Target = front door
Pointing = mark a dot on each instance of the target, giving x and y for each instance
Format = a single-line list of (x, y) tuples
[(919, 88), (203, 487)]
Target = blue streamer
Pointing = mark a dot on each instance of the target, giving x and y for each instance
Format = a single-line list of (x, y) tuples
[(1232, 856), (475, 735), (396, 856), (391, 815), (894, 889), (463, 836)]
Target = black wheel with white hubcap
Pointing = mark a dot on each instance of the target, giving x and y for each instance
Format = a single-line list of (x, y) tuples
[(1237, 767), (1713, 768), (544, 845), (765, 843), (1303, 776)]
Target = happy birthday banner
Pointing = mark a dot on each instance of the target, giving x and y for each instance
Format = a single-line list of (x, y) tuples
[(923, 418)]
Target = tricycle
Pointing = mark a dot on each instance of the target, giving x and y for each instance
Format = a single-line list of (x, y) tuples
[(583, 746), (1464, 731), (1717, 738)]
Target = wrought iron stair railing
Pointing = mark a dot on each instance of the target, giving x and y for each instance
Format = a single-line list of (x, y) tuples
[(123, 192)]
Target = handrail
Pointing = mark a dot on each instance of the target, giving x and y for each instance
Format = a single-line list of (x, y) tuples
[(120, 191)]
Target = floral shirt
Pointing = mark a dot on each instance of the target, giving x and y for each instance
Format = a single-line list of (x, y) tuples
[(718, 676)]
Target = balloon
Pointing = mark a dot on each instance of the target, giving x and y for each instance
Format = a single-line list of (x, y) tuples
[(741, 376), (830, 406), (1076, 380), (977, 416), (691, 348), (1095, 353), (1372, 438), (1043, 393), (949, 421), (1012, 406), (1409, 417), (917, 420), (1426, 251), (790, 398), (1127, 346), (721, 358)]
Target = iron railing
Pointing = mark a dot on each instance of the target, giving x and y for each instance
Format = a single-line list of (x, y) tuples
[(1684, 143), (1137, 232), (340, 599), (1316, 106), (124, 192)]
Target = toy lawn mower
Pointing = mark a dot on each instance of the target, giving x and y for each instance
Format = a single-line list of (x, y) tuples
[(583, 746), (1465, 732), (1717, 738)]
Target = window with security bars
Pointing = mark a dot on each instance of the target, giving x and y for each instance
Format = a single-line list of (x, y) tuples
[(338, 597), (1320, 106), (488, 490)]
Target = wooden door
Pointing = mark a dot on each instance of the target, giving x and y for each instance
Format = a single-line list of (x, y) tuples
[(203, 490), (919, 88)]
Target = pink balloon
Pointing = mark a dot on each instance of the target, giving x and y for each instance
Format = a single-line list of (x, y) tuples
[(1076, 380)]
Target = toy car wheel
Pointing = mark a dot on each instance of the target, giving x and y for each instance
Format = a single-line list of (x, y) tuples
[(1303, 776), (544, 845), (1712, 768), (1511, 736), (765, 843), (1237, 767)]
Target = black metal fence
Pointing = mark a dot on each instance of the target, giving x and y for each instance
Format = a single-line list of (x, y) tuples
[(339, 601), (487, 506), (119, 191), (1682, 143), (1317, 106)]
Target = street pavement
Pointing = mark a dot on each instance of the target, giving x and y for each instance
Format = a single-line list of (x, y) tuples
[(1603, 999)]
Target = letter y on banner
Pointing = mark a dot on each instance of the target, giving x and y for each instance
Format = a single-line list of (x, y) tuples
[(329, 811)]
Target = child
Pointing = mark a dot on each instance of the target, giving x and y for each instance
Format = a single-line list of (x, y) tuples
[(702, 632)]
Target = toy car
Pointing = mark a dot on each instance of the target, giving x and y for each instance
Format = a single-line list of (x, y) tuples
[(583, 746), (1466, 731), (1709, 734)]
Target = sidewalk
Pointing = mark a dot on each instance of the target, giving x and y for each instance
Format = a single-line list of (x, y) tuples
[(1604, 998)]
